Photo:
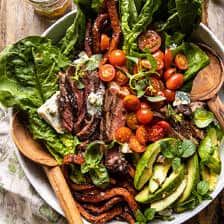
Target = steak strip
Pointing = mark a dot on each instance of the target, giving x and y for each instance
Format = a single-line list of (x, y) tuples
[(100, 219), (81, 187), (115, 23), (88, 38), (107, 206), (103, 196), (97, 26)]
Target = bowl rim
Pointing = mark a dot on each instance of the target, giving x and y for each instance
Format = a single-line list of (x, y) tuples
[(184, 215)]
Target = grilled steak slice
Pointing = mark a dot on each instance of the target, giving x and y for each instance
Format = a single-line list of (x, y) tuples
[(114, 112), (65, 104), (73, 102)]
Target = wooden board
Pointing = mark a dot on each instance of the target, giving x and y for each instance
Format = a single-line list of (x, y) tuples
[(17, 20)]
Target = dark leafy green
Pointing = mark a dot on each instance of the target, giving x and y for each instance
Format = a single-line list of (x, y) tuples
[(197, 59), (93, 164), (27, 79), (76, 175), (75, 34)]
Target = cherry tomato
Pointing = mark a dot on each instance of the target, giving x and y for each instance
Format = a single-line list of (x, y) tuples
[(161, 93), (155, 133), (175, 81), (169, 72), (142, 135), (145, 64), (169, 94), (144, 105), (144, 116), (131, 103), (164, 124), (154, 87), (123, 134), (168, 58), (149, 40), (121, 78), (131, 121), (181, 61), (107, 72), (117, 57), (104, 42), (135, 145), (159, 54)]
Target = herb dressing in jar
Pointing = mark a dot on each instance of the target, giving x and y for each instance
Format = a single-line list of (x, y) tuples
[(52, 9)]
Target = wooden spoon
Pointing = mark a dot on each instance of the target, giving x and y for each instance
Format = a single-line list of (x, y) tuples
[(207, 84), (34, 151)]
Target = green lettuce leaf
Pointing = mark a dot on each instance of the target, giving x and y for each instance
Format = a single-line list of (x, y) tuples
[(197, 58), (27, 79), (75, 35)]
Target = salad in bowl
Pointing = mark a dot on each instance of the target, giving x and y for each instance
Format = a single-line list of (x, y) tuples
[(116, 102)]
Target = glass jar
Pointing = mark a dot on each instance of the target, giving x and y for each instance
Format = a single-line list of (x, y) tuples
[(51, 9)]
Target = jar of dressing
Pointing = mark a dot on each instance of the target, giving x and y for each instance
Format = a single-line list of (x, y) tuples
[(52, 9)]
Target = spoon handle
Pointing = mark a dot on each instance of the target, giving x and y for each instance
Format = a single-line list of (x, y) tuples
[(63, 194), (217, 107)]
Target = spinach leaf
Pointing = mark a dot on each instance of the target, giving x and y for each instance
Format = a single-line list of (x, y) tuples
[(133, 13), (140, 218), (75, 34), (173, 40), (197, 59), (96, 5), (93, 157), (27, 79), (189, 148), (203, 187), (76, 175), (99, 176), (188, 13), (149, 213)]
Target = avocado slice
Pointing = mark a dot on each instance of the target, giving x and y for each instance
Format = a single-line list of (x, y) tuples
[(159, 175), (209, 151), (170, 185), (192, 178), (209, 176), (166, 202), (144, 166)]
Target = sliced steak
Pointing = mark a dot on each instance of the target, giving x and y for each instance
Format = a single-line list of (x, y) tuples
[(73, 103), (114, 113)]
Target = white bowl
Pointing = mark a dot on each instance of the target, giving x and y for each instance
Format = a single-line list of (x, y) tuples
[(37, 177)]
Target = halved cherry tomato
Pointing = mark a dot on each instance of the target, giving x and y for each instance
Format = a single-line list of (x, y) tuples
[(161, 93), (131, 121), (135, 145), (123, 134), (149, 40), (154, 87), (104, 42), (169, 94), (155, 133), (117, 57), (144, 105), (131, 103), (121, 78), (159, 54), (169, 72), (181, 61), (144, 116), (107, 72), (168, 58), (145, 64), (164, 124), (142, 135), (175, 81)]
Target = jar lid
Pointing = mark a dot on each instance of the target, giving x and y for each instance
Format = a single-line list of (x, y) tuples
[(43, 1)]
